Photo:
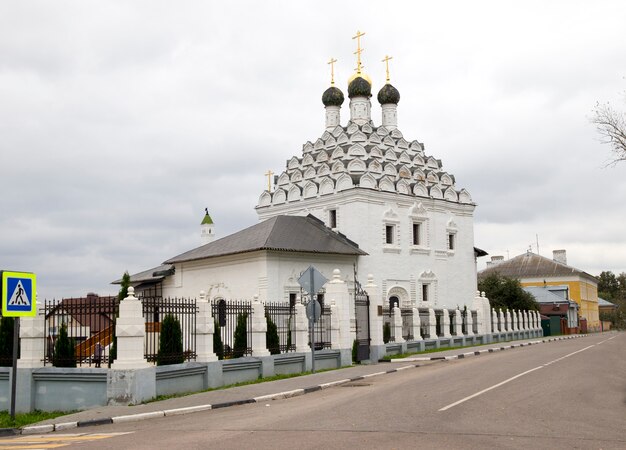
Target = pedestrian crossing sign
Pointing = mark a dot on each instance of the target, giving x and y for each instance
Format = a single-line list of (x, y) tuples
[(18, 294)]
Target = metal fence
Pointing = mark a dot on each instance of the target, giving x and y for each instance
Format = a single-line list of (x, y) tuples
[(89, 325), (389, 331), (156, 312), (283, 316), (438, 322), (321, 330), (425, 323), (227, 315), (407, 323), (474, 322)]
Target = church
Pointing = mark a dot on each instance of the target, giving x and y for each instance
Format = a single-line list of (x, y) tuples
[(361, 198)]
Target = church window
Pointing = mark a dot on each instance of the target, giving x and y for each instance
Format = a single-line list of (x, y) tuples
[(332, 218), (451, 241), (292, 300), (416, 233), (424, 292), (389, 231)]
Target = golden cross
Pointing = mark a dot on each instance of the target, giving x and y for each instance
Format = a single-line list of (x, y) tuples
[(269, 174), (386, 61), (332, 70), (358, 50)]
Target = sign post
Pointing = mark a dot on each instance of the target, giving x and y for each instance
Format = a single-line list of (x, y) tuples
[(312, 281), (18, 290)]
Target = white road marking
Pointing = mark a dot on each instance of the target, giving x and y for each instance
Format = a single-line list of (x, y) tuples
[(463, 400)]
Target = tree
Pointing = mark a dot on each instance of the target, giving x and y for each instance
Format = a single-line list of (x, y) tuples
[(64, 350), (272, 341), (6, 341), (608, 285), (611, 125), (121, 295), (507, 293), (170, 342), (241, 336), (218, 345)]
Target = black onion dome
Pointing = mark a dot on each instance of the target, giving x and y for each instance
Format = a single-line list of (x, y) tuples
[(359, 87), (388, 94), (332, 97)]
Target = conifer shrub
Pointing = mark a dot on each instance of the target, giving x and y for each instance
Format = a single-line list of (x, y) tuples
[(241, 336), (170, 342), (386, 332), (6, 341), (218, 344), (355, 349), (272, 341), (64, 350)]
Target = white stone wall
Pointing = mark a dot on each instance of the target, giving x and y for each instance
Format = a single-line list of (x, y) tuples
[(269, 274), (362, 215)]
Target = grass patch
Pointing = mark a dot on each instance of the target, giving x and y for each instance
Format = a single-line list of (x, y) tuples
[(159, 398), (23, 419), (436, 350)]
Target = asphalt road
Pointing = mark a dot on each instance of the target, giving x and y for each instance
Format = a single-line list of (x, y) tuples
[(566, 394)]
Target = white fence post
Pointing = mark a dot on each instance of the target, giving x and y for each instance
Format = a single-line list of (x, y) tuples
[(445, 323), (205, 329), (458, 323), (432, 324), (301, 328), (130, 330), (397, 324), (416, 331), (259, 328), (32, 342)]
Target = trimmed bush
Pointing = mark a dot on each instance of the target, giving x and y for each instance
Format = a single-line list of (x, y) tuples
[(218, 345), (241, 336), (272, 341), (386, 332), (170, 342), (64, 350)]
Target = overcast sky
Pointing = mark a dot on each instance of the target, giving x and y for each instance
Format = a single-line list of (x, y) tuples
[(120, 121)]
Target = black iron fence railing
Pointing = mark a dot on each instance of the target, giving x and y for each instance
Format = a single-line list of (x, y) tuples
[(321, 330), (79, 331), (170, 329), (233, 321), (283, 317), (407, 323)]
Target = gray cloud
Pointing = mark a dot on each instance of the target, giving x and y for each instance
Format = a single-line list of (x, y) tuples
[(121, 121)]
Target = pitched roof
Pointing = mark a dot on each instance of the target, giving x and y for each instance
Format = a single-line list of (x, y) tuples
[(282, 233), (151, 275), (544, 295), (530, 265)]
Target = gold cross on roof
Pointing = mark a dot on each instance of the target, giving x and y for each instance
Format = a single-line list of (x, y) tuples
[(332, 70), (269, 174), (358, 50), (386, 61)]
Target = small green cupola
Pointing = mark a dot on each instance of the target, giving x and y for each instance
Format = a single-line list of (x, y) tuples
[(207, 228)]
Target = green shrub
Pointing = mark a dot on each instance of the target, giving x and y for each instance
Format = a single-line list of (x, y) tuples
[(170, 342), (64, 350), (386, 332), (218, 345), (241, 336), (272, 341), (6, 341)]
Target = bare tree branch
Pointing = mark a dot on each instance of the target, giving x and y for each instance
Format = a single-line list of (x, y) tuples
[(611, 125)]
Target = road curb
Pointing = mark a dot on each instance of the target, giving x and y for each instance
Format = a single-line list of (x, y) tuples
[(41, 429)]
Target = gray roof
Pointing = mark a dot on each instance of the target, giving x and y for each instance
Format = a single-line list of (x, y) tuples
[(282, 233), (544, 295), (530, 265), (150, 275), (603, 302)]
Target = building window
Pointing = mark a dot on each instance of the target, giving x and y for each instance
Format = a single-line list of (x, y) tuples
[(424, 292), (416, 233), (389, 230), (332, 218), (451, 241), (292, 300)]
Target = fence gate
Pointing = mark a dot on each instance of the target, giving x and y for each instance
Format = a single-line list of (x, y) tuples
[(362, 315)]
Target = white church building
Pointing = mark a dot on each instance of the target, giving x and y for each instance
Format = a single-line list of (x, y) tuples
[(361, 198)]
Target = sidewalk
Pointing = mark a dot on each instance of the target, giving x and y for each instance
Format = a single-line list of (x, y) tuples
[(260, 392)]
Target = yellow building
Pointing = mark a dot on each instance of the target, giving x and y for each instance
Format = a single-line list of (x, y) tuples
[(534, 270)]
